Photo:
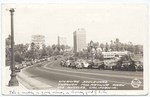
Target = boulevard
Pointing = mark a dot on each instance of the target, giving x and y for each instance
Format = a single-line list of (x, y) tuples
[(51, 73)]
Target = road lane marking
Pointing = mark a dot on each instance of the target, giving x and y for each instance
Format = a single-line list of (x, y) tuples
[(108, 75)]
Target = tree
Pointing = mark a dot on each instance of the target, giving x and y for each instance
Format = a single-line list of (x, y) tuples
[(125, 47), (56, 52), (117, 44), (58, 47), (67, 47), (18, 57), (21, 48), (130, 47), (96, 45), (53, 47), (7, 49), (102, 46), (111, 45), (49, 50), (44, 51), (34, 52), (106, 47), (8, 44), (62, 47)]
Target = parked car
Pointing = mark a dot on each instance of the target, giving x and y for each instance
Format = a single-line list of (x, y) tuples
[(24, 65), (140, 68), (67, 63), (17, 67), (79, 65), (132, 66), (28, 63), (85, 64), (118, 66), (139, 65), (102, 66), (73, 64), (108, 65), (91, 64), (62, 63)]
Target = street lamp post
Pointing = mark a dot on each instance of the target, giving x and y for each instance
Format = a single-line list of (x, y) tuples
[(13, 81)]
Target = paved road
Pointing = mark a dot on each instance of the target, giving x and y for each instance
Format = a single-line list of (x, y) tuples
[(59, 77)]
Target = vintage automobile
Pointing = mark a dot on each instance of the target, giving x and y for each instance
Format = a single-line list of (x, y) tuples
[(118, 66), (62, 63), (132, 66), (139, 65), (95, 65), (67, 63), (28, 63), (79, 65), (73, 64), (125, 66), (17, 67), (85, 64), (139, 68), (108, 66)]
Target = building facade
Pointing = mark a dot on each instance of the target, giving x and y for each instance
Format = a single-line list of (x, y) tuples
[(38, 40), (115, 54), (79, 39)]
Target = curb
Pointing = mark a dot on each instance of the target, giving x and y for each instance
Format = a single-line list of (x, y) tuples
[(31, 83)]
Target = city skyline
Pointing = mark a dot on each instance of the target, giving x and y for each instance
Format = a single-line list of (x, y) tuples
[(100, 22)]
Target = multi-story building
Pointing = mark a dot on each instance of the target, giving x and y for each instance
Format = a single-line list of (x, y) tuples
[(79, 39), (62, 40), (38, 40)]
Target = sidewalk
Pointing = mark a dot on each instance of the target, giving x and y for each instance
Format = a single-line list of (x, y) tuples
[(26, 82), (6, 77), (31, 83)]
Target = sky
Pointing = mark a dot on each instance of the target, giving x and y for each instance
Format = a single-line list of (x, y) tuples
[(102, 22)]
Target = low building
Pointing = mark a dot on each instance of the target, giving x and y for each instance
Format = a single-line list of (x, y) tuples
[(114, 54)]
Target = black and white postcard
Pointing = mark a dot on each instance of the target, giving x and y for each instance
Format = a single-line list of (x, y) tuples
[(75, 49)]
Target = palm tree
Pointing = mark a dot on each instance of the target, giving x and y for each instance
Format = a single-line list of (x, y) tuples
[(117, 44), (111, 45), (102, 46), (106, 47)]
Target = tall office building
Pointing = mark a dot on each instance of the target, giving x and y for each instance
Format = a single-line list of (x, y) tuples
[(62, 40), (79, 37), (38, 40)]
